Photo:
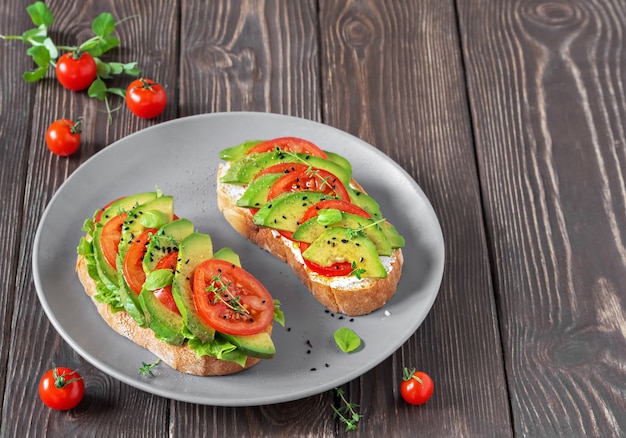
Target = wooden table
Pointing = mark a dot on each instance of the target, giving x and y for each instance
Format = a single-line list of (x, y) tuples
[(509, 114)]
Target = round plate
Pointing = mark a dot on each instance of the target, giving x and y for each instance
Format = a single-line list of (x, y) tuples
[(180, 157)]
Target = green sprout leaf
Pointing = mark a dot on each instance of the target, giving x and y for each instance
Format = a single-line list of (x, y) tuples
[(346, 339), (159, 279), (40, 14), (329, 216)]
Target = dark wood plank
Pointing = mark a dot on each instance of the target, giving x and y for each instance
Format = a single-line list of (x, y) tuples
[(547, 94), (15, 100), (393, 76), (110, 407)]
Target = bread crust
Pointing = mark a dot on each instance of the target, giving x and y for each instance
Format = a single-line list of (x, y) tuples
[(181, 358), (355, 300)]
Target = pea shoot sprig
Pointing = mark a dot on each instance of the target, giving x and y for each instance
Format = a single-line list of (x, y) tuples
[(346, 413), (221, 293), (45, 52)]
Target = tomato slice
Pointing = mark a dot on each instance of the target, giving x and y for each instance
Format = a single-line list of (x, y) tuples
[(317, 180), (110, 238), (282, 168), (337, 269), (337, 204), (288, 144), (132, 267), (164, 294), (230, 299)]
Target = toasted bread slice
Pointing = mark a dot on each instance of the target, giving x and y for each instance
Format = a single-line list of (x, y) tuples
[(180, 357), (346, 295)]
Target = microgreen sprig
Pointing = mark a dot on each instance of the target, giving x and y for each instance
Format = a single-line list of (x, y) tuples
[(146, 368), (346, 413), (220, 292), (357, 272)]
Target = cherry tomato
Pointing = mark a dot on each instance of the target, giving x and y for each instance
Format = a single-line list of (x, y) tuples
[(76, 70), (132, 266), (230, 299), (145, 98), (288, 144), (110, 238), (63, 137), (317, 180), (164, 294), (61, 388), (417, 387)]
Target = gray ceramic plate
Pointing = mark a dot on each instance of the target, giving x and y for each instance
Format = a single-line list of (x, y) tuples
[(181, 157)]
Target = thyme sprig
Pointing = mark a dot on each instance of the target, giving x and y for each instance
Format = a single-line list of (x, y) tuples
[(221, 293), (346, 413)]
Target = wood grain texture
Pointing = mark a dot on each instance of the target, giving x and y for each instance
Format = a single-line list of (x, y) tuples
[(546, 88), (407, 98), (15, 102)]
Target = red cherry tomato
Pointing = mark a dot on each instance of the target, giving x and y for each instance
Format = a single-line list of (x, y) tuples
[(288, 144), (417, 387), (76, 71), (61, 388), (145, 98), (230, 299), (63, 137)]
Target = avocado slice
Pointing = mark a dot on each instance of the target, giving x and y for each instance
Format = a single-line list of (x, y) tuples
[(337, 245), (310, 230), (193, 250), (152, 214), (243, 170), (366, 202), (285, 211), (236, 152), (258, 345), (166, 324), (228, 255), (107, 273), (256, 193)]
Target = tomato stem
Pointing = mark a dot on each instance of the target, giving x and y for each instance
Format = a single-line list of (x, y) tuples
[(60, 381)]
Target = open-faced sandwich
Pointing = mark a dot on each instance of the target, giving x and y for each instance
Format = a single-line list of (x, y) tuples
[(157, 281), (301, 204)]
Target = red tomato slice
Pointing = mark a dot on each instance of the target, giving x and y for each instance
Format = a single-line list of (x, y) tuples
[(230, 299), (288, 144), (338, 269), (317, 180), (282, 168), (164, 294), (110, 239), (337, 204), (132, 267)]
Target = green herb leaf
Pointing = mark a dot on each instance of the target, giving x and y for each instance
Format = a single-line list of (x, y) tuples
[(97, 89), (159, 279), (40, 14), (35, 75), (346, 339), (329, 216), (103, 25), (153, 219), (40, 55), (132, 69)]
